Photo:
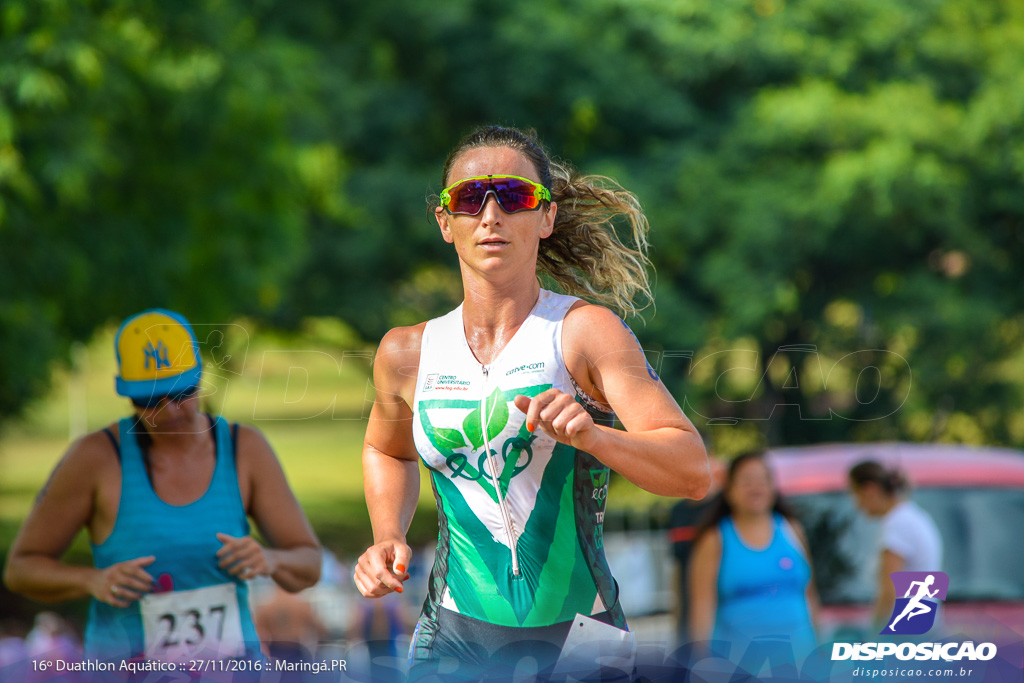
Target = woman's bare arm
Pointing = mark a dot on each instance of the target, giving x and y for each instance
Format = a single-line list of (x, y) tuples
[(660, 451), (66, 504), (390, 464), (293, 555), (704, 566)]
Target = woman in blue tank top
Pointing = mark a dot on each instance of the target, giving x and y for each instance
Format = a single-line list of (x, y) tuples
[(165, 496), (751, 589)]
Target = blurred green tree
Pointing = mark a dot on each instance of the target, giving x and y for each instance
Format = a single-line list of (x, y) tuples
[(853, 189), (834, 189), (146, 159)]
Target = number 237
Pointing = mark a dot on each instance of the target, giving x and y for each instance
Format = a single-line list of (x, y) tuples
[(194, 626)]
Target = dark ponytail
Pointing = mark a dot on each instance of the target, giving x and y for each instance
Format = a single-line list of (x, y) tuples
[(891, 481)]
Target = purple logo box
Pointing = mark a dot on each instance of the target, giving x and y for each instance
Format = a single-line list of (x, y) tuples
[(902, 581), (918, 595)]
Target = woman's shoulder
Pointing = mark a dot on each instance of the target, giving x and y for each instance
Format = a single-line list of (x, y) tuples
[(899, 512), (91, 456), (725, 527), (589, 326), (786, 521), (401, 343), (710, 540), (397, 361), (906, 513), (99, 445), (585, 313), (791, 528)]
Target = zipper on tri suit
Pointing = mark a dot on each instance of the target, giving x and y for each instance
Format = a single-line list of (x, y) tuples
[(506, 516)]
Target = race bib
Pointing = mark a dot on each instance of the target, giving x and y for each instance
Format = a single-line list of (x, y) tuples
[(593, 646), (190, 624)]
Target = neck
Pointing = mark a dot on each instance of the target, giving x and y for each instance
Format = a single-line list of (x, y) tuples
[(181, 439), (496, 308), (746, 517), (493, 312), (487, 287)]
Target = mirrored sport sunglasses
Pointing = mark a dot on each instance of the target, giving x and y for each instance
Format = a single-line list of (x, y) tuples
[(154, 401), (513, 194)]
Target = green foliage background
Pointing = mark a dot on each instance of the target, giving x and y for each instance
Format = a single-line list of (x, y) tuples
[(835, 192), (841, 175)]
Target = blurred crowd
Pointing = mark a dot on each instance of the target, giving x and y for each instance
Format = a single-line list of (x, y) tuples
[(50, 637), (742, 571)]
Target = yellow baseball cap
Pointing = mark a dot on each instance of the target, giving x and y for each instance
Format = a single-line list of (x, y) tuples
[(157, 353)]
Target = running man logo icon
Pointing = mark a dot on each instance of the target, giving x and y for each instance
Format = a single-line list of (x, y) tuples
[(914, 613)]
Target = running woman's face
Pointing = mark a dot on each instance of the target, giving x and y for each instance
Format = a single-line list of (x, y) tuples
[(494, 241), (170, 415), (751, 490)]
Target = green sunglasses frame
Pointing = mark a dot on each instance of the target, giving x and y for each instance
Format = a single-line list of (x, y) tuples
[(539, 191)]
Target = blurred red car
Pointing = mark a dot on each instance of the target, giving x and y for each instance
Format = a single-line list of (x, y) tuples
[(976, 497)]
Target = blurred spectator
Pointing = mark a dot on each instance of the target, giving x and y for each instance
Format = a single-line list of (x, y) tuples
[(910, 540), (685, 517), (379, 623), (332, 572), (750, 578), (51, 638), (633, 558), (13, 649), (288, 626)]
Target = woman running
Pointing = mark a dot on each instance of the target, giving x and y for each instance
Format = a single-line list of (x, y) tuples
[(509, 400), (164, 495)]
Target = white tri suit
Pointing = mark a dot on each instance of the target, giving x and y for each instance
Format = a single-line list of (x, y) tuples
[(517, 558)]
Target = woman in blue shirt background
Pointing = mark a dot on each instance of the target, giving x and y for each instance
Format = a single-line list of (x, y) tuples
[(166, 496), (750, 574)]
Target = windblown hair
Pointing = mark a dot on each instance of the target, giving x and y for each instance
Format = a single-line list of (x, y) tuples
[(720, 507), (583, 255), (891, 481)]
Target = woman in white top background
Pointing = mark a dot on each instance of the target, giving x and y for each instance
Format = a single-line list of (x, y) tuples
[(910, 541)]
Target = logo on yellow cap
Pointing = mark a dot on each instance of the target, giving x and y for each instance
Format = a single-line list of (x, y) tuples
[(157, 353)]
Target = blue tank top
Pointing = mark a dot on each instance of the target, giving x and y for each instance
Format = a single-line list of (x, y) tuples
[(194, 600), (762, 592)]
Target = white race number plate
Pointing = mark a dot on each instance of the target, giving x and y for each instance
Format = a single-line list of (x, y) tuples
[(202, 622)]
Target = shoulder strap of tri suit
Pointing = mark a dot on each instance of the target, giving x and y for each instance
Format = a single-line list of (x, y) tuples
[(234, 441), (113, 441)]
